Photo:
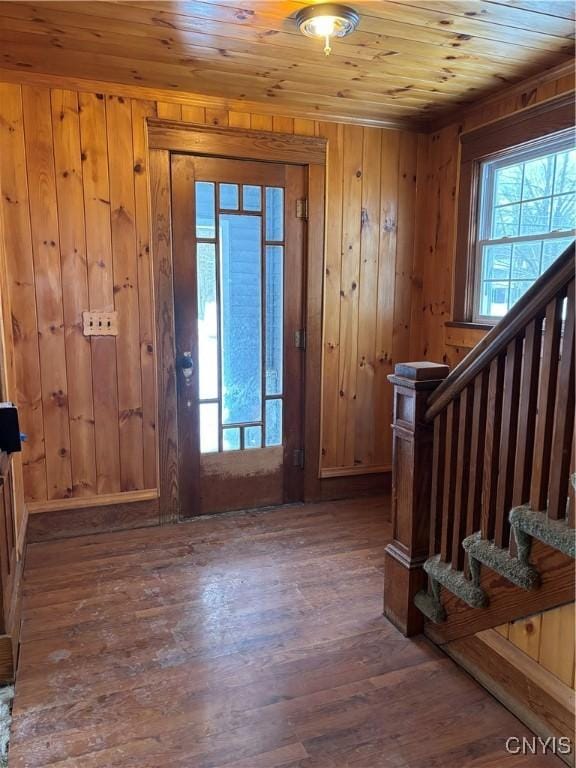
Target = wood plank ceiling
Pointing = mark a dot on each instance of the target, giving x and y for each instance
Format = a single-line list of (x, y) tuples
[(409, 60)]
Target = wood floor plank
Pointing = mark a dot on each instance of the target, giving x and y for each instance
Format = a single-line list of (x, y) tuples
[(250, 640)]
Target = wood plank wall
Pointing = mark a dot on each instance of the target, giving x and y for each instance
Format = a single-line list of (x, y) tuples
[(548, 638), (73, 170), (438, 168)]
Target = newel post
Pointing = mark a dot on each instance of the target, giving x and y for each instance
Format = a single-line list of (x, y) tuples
[(411, 492)]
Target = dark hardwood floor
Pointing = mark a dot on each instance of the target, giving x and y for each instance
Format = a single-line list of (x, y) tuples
[(247, 641)]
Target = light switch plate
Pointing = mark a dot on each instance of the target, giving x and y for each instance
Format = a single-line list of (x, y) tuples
[(100, 323)]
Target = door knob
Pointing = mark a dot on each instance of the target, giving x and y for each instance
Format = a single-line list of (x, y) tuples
[(187, 367)]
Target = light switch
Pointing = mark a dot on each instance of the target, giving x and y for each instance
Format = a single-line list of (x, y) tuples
[(100, 323)]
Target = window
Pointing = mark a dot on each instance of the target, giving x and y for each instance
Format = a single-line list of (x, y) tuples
[(526, 219), (516, 207)]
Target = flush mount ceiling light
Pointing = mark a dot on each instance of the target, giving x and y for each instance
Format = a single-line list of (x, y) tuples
[(327, 21)]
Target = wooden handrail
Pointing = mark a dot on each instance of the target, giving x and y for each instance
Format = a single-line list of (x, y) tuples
[(528, 307)]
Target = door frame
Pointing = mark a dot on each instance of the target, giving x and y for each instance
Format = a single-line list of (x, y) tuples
[(166, 137)]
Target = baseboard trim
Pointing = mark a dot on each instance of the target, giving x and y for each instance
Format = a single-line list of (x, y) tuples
[(333, 488), (84, 502), (354, 471), (85, 519), (539, 699)]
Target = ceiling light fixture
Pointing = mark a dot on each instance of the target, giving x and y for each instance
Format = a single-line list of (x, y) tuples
[(327, 21)]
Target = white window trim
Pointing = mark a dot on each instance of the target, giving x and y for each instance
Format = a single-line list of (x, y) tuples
[(553, 143)]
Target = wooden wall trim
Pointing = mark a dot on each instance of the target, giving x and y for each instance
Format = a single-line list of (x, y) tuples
[(532, 122), (353, 471), (200, 100), (86, 502), (88, 520), (527, 86), (236, 143)]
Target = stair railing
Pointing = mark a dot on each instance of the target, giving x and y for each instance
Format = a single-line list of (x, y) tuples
[(482, 449)]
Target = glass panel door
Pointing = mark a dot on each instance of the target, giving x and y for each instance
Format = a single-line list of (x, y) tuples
[(240, 283)]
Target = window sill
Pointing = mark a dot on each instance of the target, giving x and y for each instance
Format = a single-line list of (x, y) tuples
[(469, 325)]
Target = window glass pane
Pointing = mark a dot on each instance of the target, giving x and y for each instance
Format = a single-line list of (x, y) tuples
[(207, 321), (526, 260), (231, 439), (241, 318), (494, 298), (565, 179), (563, 212), (552, 249), (535, 217), (253, 437), (273, 422), (517, 289), (523, 206), (497, 262), (538, 176), (252, 198), (208, 427), (274, 213), (229, 196), (508, 185), (205, 217), (506, 221), (274, 316)]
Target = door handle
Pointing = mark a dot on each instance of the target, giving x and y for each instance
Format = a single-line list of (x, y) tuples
[(186, 364)]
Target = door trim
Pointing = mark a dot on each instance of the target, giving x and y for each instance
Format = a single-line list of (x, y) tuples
[(165, 137)]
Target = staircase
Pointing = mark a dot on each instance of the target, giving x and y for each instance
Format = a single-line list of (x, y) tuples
[(483, 503)]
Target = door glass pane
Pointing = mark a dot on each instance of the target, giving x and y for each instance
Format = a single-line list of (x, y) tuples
[(274, 213), (274, 315), (208, 427), (207, 321), (273, 422), (229, 196), (251, 198), (253, 437), (231, 439), (241, 313), (205, 215)]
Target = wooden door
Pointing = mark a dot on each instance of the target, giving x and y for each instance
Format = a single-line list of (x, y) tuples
[(239, 235)]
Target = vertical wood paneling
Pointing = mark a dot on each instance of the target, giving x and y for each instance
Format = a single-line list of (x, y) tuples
[(334, 133), (49, 301), (238, 119), (123, 216), (100, 287), (217, 117), (349, 291), (70, 206), (96, 201), (386, 279), (21, 284), (140, 111), (169, 111), (548, 638), (193, 114), (365, 426)]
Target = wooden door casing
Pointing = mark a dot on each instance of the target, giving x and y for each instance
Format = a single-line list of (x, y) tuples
[(224, 480)]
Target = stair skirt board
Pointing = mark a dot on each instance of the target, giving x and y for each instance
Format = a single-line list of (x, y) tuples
[(526, 523), (540, 700), (497, 559), (456, 582)]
